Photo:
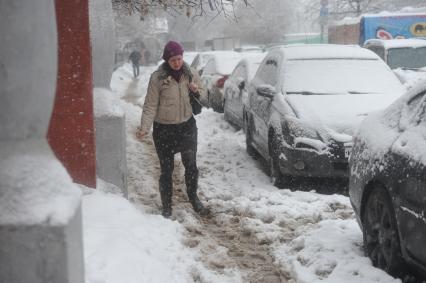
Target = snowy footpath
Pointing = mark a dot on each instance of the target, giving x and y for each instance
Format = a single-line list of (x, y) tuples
[(257, 233)]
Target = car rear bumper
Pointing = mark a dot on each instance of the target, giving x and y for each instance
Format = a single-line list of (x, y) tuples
[(216, 99)]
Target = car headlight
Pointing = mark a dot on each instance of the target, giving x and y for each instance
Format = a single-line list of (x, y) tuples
[(301, 135)]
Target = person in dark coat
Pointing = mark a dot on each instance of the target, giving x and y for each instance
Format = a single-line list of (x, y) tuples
[(167, 106), (135, 57)]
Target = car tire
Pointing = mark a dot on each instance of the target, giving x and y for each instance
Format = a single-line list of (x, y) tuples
[(277, 178), (249, 148), (380, 233)]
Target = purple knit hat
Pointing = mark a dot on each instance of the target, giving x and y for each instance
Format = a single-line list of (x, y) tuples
[(171, 49)]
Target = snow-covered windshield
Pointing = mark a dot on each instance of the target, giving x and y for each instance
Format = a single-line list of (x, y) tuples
[(338, 76), (407, 58)]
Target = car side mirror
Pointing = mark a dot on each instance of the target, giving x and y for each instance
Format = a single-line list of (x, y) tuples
[(242, 85), (266, 91)]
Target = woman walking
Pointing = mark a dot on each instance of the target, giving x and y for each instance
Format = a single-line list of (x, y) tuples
[(167, 106)]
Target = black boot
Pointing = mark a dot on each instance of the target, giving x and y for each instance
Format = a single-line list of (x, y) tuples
[(166, 201), (197, 204)]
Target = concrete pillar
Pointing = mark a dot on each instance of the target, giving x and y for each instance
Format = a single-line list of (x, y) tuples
[(110, 139), (71, 131), (111, 164), (40, 207)]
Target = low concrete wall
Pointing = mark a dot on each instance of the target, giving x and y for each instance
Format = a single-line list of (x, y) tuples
[(42, 253), (110, 139)]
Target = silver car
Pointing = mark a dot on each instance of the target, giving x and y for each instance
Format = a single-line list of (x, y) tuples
[(215, 73), (235, 89), (305, 103)]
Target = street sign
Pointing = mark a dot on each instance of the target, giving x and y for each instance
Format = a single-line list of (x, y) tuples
[(324, 11)]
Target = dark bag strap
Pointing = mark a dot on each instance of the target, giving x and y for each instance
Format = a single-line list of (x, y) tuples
[(193, 98), (195, 95)]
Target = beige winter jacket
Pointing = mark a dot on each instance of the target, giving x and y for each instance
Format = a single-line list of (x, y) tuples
[(167, 101)]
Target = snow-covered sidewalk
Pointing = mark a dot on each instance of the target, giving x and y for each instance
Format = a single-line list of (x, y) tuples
[(301, 236)]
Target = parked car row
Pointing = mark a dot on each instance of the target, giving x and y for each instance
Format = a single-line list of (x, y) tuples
[(339, 111)]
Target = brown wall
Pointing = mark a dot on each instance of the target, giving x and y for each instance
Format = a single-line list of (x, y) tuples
[(344, 34), (71, 130)]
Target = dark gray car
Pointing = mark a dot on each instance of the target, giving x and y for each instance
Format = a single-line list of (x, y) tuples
[(387, 185)]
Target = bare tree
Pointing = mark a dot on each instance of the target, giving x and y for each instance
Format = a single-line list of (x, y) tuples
[(190, 8)]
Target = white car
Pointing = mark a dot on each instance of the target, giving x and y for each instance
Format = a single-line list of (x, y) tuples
[(235, 89), (215, 73), (305, 103), (407, 57)]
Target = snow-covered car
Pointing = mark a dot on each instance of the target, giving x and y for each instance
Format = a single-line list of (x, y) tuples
[(407, 57), (387, 184), (306, 101), (200, 60), (250, 48), (235, 88), (215, 73), (189, 56)]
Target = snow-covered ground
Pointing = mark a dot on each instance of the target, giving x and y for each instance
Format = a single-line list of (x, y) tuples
[(256, 233)]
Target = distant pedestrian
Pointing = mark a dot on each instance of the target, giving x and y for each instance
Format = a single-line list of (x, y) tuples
[(167, 105), (147, 56), (135, 57)]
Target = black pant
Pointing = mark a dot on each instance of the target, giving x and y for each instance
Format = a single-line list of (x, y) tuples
[(135, 69), (170, 139)]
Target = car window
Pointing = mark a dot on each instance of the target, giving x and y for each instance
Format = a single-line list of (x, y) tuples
[(210, 67), (416, 107), (379, 50), (196, 62), (239, 72), (268, 72), (340, 76), (412, 141), (410, 58), (413, 111)]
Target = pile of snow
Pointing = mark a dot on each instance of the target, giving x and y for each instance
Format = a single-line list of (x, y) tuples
[(106, 104), (331, 252), (410, 76), (125, 244), (35, 187)]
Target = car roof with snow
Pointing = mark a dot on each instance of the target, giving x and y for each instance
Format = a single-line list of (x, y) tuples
[(397, 43), (324, 51), (224, 62)]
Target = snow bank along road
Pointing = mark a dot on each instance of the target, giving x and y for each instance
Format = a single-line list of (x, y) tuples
[(257, 233)]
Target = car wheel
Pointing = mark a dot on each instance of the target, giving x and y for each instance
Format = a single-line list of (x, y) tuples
[(249, 148), (380, 233), (277, 178)]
